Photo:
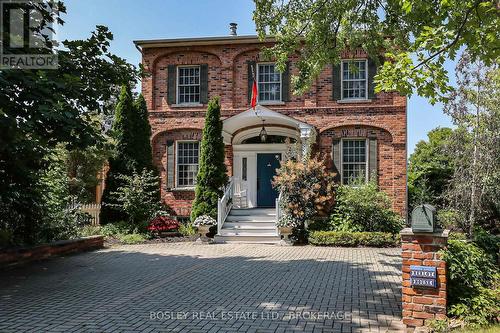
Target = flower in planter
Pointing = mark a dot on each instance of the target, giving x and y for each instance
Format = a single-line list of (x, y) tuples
[(204, 220), (163, 223)]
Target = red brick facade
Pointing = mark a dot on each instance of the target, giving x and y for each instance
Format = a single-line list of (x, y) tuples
[(383, 117)]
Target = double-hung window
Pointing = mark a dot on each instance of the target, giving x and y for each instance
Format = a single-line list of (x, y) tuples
[(269, 82), (188, 85), (354, 79), (187, 162), (354, 160)]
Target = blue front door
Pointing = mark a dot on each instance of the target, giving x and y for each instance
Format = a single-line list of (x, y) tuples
[(266, 169)]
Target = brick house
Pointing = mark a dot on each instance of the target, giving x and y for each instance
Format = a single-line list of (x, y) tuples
[(359, 133)]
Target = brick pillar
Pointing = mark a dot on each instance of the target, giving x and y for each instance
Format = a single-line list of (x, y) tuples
[(423, 303)]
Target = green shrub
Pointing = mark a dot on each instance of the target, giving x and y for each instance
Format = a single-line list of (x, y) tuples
[(89, 230), (363, 207), (352, 239), (473, 283), (488, 242), (132, 238), (187, 229), (115, 229), (137, 198), (212, 174)]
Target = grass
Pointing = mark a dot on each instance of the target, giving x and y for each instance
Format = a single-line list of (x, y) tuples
[(132, 238)]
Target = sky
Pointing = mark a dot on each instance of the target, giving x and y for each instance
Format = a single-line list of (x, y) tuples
[(130, 20)]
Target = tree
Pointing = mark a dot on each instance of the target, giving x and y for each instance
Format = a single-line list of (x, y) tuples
[(430, 169), (416, 36), (44, 107), (212, 176), (132, 132), (475, 145)]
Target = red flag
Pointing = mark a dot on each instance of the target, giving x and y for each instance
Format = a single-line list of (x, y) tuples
[(254, 94)]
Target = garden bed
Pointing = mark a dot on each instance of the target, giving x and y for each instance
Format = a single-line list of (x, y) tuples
[(39, 252)]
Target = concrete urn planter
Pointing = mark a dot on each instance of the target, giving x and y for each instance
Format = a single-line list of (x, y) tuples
[(285, 232), (202, 232)]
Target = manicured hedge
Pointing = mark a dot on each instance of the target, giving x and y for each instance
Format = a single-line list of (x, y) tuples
[(353, 239)]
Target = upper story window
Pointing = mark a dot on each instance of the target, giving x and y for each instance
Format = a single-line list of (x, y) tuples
[(187, 163), (188, 85), (354, 160), (269, 81), (354, 79)]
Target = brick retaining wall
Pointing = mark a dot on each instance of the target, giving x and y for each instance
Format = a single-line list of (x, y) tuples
[(27, 254)]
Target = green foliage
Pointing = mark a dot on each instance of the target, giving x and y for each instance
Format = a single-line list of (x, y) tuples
[(423, 35), (473, 192), (473, 283), (89, 230), (353, 239), (364, 207), (131, 239), (306, 188), (56, 106), (187, 229), (132, 132), (430, 169), (137, 198), (212, 176), (488, 242)]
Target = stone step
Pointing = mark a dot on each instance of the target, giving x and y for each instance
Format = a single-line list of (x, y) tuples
[(253, 212), (260, 239), (250, 218), (249, 225), (248, 232)]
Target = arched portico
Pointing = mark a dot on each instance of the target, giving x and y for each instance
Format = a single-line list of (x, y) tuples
[(254, 161)]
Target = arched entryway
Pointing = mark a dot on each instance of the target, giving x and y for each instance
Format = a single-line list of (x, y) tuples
[(254, 160)]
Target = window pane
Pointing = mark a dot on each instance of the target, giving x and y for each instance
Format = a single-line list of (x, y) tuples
[(269, 82), (187, 163), (188, 85), (354, 79), (353, 160)]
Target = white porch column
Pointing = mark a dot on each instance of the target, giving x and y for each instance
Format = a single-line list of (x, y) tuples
[(307, 136)]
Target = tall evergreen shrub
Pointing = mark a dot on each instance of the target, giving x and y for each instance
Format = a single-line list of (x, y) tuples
[(132, 132), (212, 174)]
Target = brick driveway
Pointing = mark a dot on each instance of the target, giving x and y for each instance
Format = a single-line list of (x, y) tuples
[(206, 288)]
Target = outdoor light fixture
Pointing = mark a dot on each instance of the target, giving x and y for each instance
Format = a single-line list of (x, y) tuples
[(263, 133)]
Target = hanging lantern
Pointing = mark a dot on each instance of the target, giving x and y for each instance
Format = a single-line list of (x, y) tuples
[(263, 133)]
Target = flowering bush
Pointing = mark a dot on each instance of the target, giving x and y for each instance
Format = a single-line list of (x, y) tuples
[(163, 223), (287, 221), (204, 220), (307, 190)]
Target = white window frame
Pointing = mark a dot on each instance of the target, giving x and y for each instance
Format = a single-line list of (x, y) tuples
[(177, 90), (177, 163), (258, 83), (342, 80), (367, 159)]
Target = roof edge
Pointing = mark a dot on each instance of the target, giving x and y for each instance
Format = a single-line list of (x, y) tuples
[(193, 41)]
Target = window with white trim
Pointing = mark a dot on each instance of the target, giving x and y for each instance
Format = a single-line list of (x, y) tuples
[(188, 84), (187, 162), (354, 160), (269, 82), (354, 79)]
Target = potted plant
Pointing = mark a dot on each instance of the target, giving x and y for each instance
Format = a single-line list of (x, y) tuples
[(203, 224), (285, 225)]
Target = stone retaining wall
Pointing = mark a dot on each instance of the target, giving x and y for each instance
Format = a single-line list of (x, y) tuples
[(27, 254)]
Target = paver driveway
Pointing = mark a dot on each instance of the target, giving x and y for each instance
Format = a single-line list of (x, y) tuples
[(186, 287)]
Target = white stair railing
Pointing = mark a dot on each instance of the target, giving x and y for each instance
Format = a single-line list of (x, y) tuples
[(224, 205), (278, 209)]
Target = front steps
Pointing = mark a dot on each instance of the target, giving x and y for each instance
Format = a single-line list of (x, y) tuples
[(252, 225)]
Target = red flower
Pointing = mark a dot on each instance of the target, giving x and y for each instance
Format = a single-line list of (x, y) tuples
[(163, 223)]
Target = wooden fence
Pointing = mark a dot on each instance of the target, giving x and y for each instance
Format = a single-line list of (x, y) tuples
[(92, 209)]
